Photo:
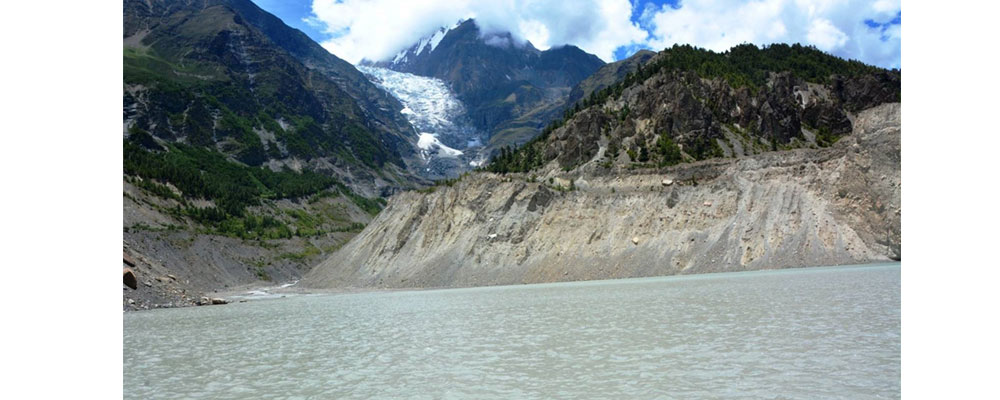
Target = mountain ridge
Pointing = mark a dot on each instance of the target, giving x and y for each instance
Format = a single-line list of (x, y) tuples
[(687, 104), (188, 62), (511, 89), (608, 75)]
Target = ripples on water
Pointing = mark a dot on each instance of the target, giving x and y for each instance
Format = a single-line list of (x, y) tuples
[(807, 333)]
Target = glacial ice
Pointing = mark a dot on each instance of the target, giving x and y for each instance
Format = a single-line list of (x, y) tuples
[(428, 144), (433, 110)]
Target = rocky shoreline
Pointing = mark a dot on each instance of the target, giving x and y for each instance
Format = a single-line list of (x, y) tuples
[(208, 272)]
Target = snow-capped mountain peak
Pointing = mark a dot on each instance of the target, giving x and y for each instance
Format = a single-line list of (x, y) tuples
[(426, 43)]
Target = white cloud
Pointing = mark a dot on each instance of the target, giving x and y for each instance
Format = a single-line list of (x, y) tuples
[(825, 36), (534, 31), (886, 6), (836, 26), (377, 29)]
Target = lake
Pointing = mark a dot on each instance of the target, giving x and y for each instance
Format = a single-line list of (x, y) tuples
[(830, 332)]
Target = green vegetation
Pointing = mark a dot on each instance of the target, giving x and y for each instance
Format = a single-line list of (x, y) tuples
[(703, 148), (206, 174), (199, 173), (308, 252), (353, 227), (524, 159), (207, 104), (261, 273), (305, 223), (143, 66), (156, 189), (624, 113), (747, 65), (247, 226), (744, 65), (632, 156), (371, 206), (668, 151), (824, 137), (643, 154)]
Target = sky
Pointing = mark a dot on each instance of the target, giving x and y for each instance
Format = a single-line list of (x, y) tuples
[(868, 31)]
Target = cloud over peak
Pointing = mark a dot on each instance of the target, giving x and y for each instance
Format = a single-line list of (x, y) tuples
[(377, 29)]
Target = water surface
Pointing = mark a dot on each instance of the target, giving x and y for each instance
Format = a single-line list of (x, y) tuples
[(804, 334)]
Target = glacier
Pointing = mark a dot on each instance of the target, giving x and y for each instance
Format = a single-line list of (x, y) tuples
[(446, 142)]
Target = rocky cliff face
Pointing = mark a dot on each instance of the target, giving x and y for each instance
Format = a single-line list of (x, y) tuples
[(802, 207)]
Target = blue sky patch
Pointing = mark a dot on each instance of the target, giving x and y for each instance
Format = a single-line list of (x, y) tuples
[(295, 14), (883, 26)]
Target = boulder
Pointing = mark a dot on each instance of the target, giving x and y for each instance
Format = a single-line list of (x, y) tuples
[(216, 300), (635, 240), (667, 182), (128, 260), (128, 278)]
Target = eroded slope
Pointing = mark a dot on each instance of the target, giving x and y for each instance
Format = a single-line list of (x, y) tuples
[(793, 208)]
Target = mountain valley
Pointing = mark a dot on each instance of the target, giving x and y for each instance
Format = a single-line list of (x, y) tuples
[(255, 158), (694, 162)]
